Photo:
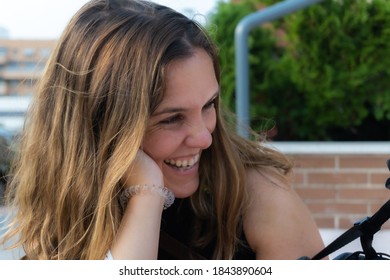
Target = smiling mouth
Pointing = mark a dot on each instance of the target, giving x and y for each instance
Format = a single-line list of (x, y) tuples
[(182, 164)]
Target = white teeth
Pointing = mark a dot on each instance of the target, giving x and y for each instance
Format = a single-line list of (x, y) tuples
[(183, 163)]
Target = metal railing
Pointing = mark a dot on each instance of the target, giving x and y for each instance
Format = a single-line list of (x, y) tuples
[(242, 52)]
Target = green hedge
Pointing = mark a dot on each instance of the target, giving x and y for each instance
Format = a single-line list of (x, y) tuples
[(319, 74)]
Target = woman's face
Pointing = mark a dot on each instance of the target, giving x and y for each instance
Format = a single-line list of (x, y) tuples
[(181, 126)]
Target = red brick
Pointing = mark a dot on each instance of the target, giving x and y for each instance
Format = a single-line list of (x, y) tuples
[(364, 194), (325, 222), (336, 208), (379, 178), (298, 177), (320, 193), (368, 161), (311, 161), (375, 206), (347, 222), (341, 189), (337, 178)]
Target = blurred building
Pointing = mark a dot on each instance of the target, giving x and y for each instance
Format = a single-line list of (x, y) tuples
[(4, 34), (21, 64)]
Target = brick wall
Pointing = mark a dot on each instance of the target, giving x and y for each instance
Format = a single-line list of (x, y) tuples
[(342, 184)]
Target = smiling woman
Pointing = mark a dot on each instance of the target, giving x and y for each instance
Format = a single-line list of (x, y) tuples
[(184, 122), (138, 160)]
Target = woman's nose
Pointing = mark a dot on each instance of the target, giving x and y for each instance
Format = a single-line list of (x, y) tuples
[(199, 135)]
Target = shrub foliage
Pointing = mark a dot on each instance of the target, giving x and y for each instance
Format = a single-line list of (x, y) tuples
[(322, 73)]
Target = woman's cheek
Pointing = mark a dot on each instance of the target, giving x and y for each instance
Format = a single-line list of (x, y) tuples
[(161, 145)]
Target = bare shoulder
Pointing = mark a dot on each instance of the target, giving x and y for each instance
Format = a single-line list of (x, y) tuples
[(277, 224)]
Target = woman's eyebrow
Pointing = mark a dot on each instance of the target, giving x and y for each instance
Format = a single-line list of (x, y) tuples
[(170, 110)]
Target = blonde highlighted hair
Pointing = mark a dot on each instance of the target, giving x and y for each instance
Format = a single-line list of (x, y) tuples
[(87, 120)]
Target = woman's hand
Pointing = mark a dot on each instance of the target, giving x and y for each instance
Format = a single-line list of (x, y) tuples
[(143, 171)]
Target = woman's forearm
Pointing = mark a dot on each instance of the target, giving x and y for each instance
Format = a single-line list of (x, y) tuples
[(138, 234)]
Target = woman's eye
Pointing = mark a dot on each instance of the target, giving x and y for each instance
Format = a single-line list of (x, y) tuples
[(172, 120), (210, 104)]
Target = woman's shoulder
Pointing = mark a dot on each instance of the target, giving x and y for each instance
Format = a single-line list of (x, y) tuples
[(277, 224), (268, 192), (264, 180)]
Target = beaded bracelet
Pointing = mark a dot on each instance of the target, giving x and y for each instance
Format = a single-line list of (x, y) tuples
[(137, 189)]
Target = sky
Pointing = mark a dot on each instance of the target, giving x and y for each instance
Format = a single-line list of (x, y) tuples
[(46, 19)]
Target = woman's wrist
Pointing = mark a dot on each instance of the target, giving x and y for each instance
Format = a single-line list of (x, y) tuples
[(134, 190)]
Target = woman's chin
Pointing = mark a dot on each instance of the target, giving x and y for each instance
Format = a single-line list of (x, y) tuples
[(184, 191)]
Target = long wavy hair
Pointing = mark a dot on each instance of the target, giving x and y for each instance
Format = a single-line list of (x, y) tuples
[(87, 120)]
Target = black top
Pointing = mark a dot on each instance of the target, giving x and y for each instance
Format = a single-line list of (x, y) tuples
[(176, 229)]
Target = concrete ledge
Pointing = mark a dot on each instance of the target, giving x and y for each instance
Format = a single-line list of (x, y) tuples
[(369, 147)]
